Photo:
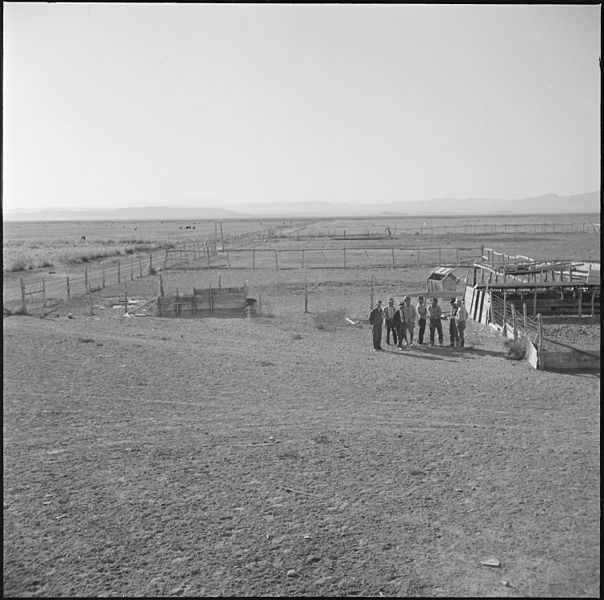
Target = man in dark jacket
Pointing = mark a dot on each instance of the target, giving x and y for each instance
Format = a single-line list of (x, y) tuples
[(389, 313), (376, 320), (435, 312), (399, 324)]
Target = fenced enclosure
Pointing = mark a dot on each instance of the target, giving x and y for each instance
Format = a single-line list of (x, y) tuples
[(520, 311), (207, 302)]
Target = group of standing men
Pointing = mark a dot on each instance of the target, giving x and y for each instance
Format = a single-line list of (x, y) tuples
[(400, 322)]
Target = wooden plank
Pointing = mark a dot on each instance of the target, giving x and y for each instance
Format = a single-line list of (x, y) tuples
[(541, 285), (531, 355), (568, 361), (574, 348)]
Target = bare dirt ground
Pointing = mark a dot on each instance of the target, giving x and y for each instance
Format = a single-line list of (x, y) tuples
[(162, 457)]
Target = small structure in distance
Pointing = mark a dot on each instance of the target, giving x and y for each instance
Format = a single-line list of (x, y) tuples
[(442, 279)]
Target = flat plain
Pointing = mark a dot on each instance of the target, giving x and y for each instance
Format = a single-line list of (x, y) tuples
[(281, 455)]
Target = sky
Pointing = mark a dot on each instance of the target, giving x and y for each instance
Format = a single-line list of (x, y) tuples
[(115, 105)]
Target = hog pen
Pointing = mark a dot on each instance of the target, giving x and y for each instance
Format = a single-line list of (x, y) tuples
[(228, 302), (521, 309)]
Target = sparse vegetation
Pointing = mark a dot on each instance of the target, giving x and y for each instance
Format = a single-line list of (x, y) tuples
[(516, 348)]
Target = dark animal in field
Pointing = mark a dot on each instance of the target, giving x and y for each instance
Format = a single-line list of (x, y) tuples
[(187, 227), (83, 238)]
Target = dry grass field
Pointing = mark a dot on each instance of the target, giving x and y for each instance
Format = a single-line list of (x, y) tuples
[(36, 245), (281, 455)]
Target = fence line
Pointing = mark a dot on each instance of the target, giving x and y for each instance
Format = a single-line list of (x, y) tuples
[(388, 230), (332, 258)]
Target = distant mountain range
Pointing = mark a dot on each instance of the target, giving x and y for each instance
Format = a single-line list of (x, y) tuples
[(547, 204)]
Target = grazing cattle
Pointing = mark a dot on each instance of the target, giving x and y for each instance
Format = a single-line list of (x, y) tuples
[(83, 238), (187, 227)]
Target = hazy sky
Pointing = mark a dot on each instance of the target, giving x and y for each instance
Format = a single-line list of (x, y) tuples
[(146, 104)]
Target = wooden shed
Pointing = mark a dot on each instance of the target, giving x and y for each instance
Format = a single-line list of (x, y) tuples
[(442, 279)]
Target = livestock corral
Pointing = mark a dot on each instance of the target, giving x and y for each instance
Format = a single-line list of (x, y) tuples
[(276, 453)]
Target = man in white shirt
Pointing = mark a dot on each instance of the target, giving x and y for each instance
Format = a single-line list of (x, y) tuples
[(460, 319)]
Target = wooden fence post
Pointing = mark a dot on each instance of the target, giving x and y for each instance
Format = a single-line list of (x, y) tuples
[(150, 264), (86, 278), (140, 262), (392, 258), (302, 257), (23, 303), (524, 316), (504, 330), (305, 295), (276, 262), (103, 286), (89, 294), (118, 273), (535, 301), (580, 301), (125, 296), (371, 301), (68, 294), (161, 286), (540, 343), (219, 282), (514, 323), (221, 236)]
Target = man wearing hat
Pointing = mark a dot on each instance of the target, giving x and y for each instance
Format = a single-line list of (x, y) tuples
[(388, 316), (460, 318), (376, 319), (421, 311), (399, 324), (409, 312), (453, 335), (435, 312)]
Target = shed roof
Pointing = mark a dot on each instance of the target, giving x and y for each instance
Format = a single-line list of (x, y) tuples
[(441, 272)]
